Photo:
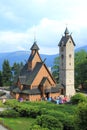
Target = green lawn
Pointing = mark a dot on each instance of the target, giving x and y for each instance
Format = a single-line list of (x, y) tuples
[(17, 123)]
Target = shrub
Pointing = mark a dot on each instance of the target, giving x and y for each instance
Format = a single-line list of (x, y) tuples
[(12, 103), (37, 127), (81, 117), (50, 122), (9, 113), (27, 111), (68, 122), (79, 97)]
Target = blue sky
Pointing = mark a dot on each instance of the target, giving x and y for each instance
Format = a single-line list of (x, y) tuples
[(21, 20)]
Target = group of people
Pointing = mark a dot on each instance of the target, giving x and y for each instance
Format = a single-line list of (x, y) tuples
[(59, 99)]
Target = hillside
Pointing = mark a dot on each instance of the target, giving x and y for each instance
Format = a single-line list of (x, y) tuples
[(22, 56)]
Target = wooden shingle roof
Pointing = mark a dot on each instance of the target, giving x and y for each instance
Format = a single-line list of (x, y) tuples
[(35, 46), (29, 75), (31, 91)]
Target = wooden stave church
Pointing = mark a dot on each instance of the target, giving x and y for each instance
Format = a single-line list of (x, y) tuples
[(35, 81), (46, 85)]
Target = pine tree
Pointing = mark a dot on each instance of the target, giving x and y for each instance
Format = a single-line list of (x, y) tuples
[(6, 73), (16, 69)]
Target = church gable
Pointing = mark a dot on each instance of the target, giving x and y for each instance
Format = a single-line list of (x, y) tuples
[(45, 82), (43, 72)]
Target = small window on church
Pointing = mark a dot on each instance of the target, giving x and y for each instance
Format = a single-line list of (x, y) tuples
[(69, 63), (69, 41), (61, 48), (70, 55), (62, 56)]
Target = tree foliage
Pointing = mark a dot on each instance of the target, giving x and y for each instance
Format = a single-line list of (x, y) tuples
[(55, 69), (16, 68), (81, 117), (81, 68), (77, 98), (6, 73)]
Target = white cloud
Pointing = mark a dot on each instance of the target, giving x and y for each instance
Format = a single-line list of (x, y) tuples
[(21, 19), (48, 34)]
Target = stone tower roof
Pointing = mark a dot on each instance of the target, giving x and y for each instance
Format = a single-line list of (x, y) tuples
[(65, 38)]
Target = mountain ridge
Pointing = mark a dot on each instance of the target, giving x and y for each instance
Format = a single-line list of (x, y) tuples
[(22, 56)]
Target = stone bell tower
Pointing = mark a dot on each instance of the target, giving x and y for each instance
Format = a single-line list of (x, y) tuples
[(66, 73)]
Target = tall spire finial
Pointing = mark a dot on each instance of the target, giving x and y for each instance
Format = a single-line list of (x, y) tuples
[(66, 32)]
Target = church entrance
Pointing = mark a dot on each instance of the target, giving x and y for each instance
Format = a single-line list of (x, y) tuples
[(47, 95)]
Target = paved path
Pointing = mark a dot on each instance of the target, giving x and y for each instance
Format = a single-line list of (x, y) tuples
[(2, 128)]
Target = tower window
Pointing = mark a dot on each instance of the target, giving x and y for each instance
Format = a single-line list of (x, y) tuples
[(62, 56), (70, 55), (62, 49)]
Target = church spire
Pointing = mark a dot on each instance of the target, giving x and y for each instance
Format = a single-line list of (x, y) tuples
[(66, 32)]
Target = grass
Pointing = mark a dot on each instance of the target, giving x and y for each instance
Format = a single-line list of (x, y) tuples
[(17, 123)]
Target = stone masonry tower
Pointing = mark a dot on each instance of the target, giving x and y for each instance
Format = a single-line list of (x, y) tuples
[(66, 74)]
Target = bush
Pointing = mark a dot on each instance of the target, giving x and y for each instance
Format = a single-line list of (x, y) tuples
[(68, 122), (12, 103), (50, 122), (37, 127), (9, 113), (81, 117), (79, 97)]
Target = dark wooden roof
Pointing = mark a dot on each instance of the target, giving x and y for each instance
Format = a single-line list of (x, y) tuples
[(35, 91), (35, 46), (43, 80), (53, 89), (31, 91), (31, 57), (22, 79), (26, 77), (15, 89)]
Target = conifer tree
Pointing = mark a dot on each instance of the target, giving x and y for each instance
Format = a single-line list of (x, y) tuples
[(6, 73)]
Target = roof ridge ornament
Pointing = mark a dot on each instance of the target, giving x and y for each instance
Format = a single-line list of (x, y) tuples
[(66, 32)]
